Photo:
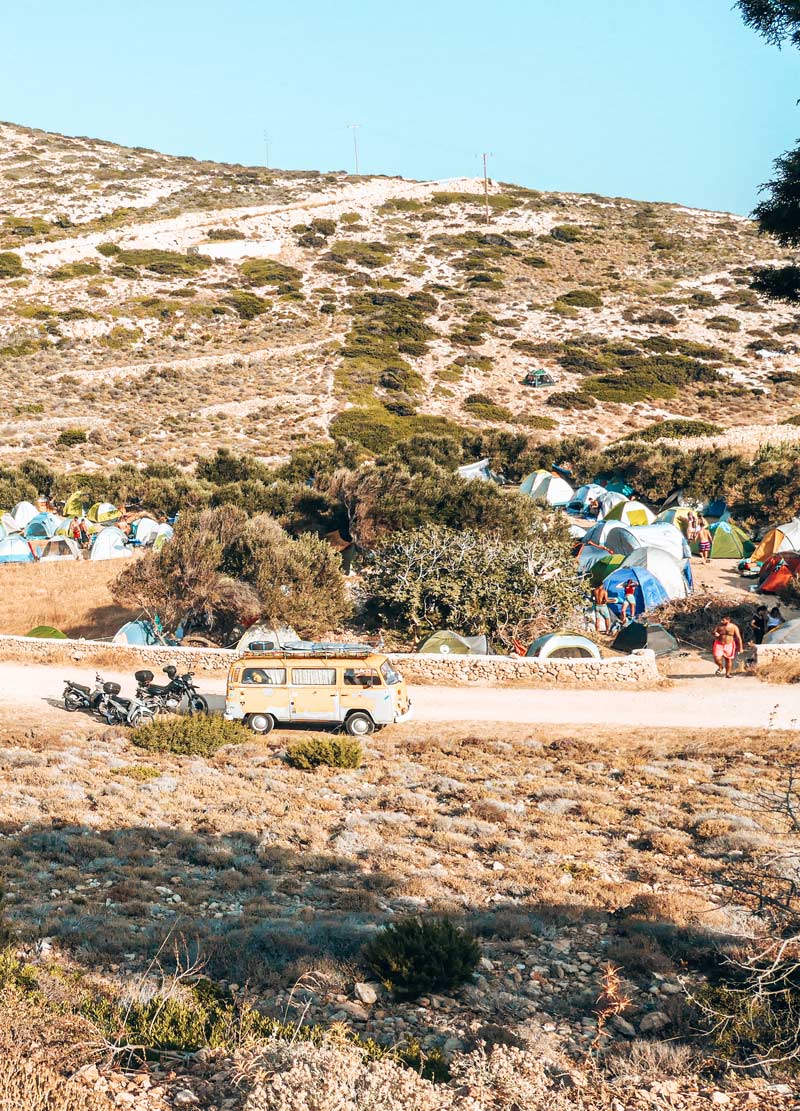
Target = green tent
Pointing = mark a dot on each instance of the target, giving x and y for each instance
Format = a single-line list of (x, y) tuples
[(445, 642), (46, 632), (728, 541), (603, 568)]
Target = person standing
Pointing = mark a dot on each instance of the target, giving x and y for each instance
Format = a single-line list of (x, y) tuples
[(759, 624), (727, 645), (628, 601), (600, 600), (704, 540)]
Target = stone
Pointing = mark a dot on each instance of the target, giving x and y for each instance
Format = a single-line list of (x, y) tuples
[(652, 1022), (366, 993), (622, 1026), (184, 1098), (360, 1014), (720, 1099)]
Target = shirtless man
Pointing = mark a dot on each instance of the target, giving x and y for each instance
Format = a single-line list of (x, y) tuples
[(727, 645)]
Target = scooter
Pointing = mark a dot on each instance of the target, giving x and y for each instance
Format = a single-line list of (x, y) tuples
[(122, 711), (169, 699), (79, 697)]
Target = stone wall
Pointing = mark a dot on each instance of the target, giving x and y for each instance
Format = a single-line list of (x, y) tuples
[(771, 653), (638, 669)]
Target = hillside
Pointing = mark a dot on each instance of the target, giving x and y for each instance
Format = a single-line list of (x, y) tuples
[(165, 306)]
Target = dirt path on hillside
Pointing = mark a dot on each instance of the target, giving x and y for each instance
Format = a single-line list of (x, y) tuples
[(31, 694)]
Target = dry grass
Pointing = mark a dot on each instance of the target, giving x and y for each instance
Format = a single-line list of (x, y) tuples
[(73, 596), (782, 669)]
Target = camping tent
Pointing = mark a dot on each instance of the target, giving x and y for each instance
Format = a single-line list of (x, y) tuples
[(76, 505), (55, 547), (778, 572), (144, 531), (165, 533), (549, 487), (590, 554), (608, 500), (787, 633), (23, 513), (613, 536), (603, 568), (479, 469), (42, 526), (103, 513), (637, 635), (46, 632), (649, 591), (9, 524), (15, 550), (784, 538), (136, 632), (677, 515), (583, 495), (666, 569), (564, 646), (109, 543), (447, 643), (728, 541), (631, 513), (662, 535)]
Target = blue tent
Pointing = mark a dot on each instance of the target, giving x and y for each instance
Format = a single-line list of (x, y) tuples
[(136, 632), (649, 591), (15, 550), (43, 526)]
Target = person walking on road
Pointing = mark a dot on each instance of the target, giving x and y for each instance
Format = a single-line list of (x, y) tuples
[(727, 645)]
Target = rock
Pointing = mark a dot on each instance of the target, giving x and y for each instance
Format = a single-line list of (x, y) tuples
[(184, 1098), (622, 1026), (485, 964), (360, 1014), (652, 1022), (366, 993), (720, 1099)]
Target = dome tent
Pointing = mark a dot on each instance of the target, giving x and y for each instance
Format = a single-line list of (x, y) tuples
[(103, 513), (728, 541), (15, 550), (564, 646), (583, 495), (631, 513), (778, 572), (608, 500), (649, 591), (23, 513), (109, 543), (55, 548), (549, 487), (165, 532), (144, 531), (9, 525), (613, 536), (665, 536), (667, 570), (76, 504), (603, 568), (677, 515), (787, 633), (445, 642), (139, 632), (42, 526), (784, 538), (46, 632), (637, 635)]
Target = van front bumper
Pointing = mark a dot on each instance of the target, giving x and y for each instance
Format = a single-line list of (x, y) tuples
[(407, 716), (233, 711)]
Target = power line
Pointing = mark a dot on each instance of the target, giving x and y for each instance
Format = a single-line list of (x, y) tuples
[(354, 128), (485, 156), (266, 145)]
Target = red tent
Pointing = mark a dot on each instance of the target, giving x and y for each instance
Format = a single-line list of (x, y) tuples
[(778, 572)]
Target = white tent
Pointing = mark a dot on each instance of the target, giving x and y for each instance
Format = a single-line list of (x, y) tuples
[(480, 469), (165, 533), (585, 494), (109, 543), (23, 513), (15, 550), (665, 536), (608, 500), (666, 569), (612, 535), (146, 530), (549, 487), (58, 547), (9, 524), (631, 513), (787, 633)]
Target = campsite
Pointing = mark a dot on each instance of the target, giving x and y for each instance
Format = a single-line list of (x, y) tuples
[(400, 557)]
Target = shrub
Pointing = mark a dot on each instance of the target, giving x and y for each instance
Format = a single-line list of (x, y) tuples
[(415, 956), (10, 264), (265, 271), (165, 263), (108, 250), (570, 399), (221, 235), (795, 420), (703, 298), (308, 753), (676, 429), (198, 735), (662, 317), (139, 773), (723, 323), (71, 436), (370, 255), (566, 233), (582, 299), (536, 261), (82, 268), (483, 407), (121, 337), (247, 305)]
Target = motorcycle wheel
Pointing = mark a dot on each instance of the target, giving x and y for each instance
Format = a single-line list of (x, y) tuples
[(197, 704), (72, 703), (111, 716)]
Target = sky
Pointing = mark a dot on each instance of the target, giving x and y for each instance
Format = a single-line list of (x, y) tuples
[(665, 100)]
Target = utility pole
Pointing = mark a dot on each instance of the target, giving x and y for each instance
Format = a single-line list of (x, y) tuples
[(266, 144), (354, 128), (485, 157)]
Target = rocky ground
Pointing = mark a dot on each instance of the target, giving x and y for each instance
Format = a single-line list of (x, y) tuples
[(229, 329), (563, 852)]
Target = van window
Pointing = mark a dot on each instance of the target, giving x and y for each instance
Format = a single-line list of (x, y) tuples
[(361, 677), (265, 676), (314, 676), (389, 674)]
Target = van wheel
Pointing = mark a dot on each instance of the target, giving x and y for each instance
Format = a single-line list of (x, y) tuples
[(359, 725), (260, 723)]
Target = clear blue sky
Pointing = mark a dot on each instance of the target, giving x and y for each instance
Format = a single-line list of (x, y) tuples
[(655, 99)]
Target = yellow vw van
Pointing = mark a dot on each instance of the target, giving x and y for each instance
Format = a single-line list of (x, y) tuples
[(347, 684)]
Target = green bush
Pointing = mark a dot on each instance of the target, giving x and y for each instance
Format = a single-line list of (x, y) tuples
[(723, 323), (108, 250), (483, 407), (566, 233), (536, 261), (265, 271), (370, 255), (71, 436), (308, 753), (82, 268), (570, 399), (703, 298), (10, 264), (675, 430), (744, 1025), (139, 773), (582, 299), (248, 305), (198, 735), (165, 263), (795, 420), (415, 956), (222, 235)]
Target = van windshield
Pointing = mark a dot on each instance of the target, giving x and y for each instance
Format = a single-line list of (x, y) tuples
[(390, 676)]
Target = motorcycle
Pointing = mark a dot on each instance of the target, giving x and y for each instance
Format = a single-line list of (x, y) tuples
[(79, 697), (169, 699), (123, 711)]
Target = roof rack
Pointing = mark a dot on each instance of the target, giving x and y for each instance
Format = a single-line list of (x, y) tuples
[(318, 649)]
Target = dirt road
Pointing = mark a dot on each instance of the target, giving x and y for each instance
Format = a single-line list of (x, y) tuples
[(30, 693)]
